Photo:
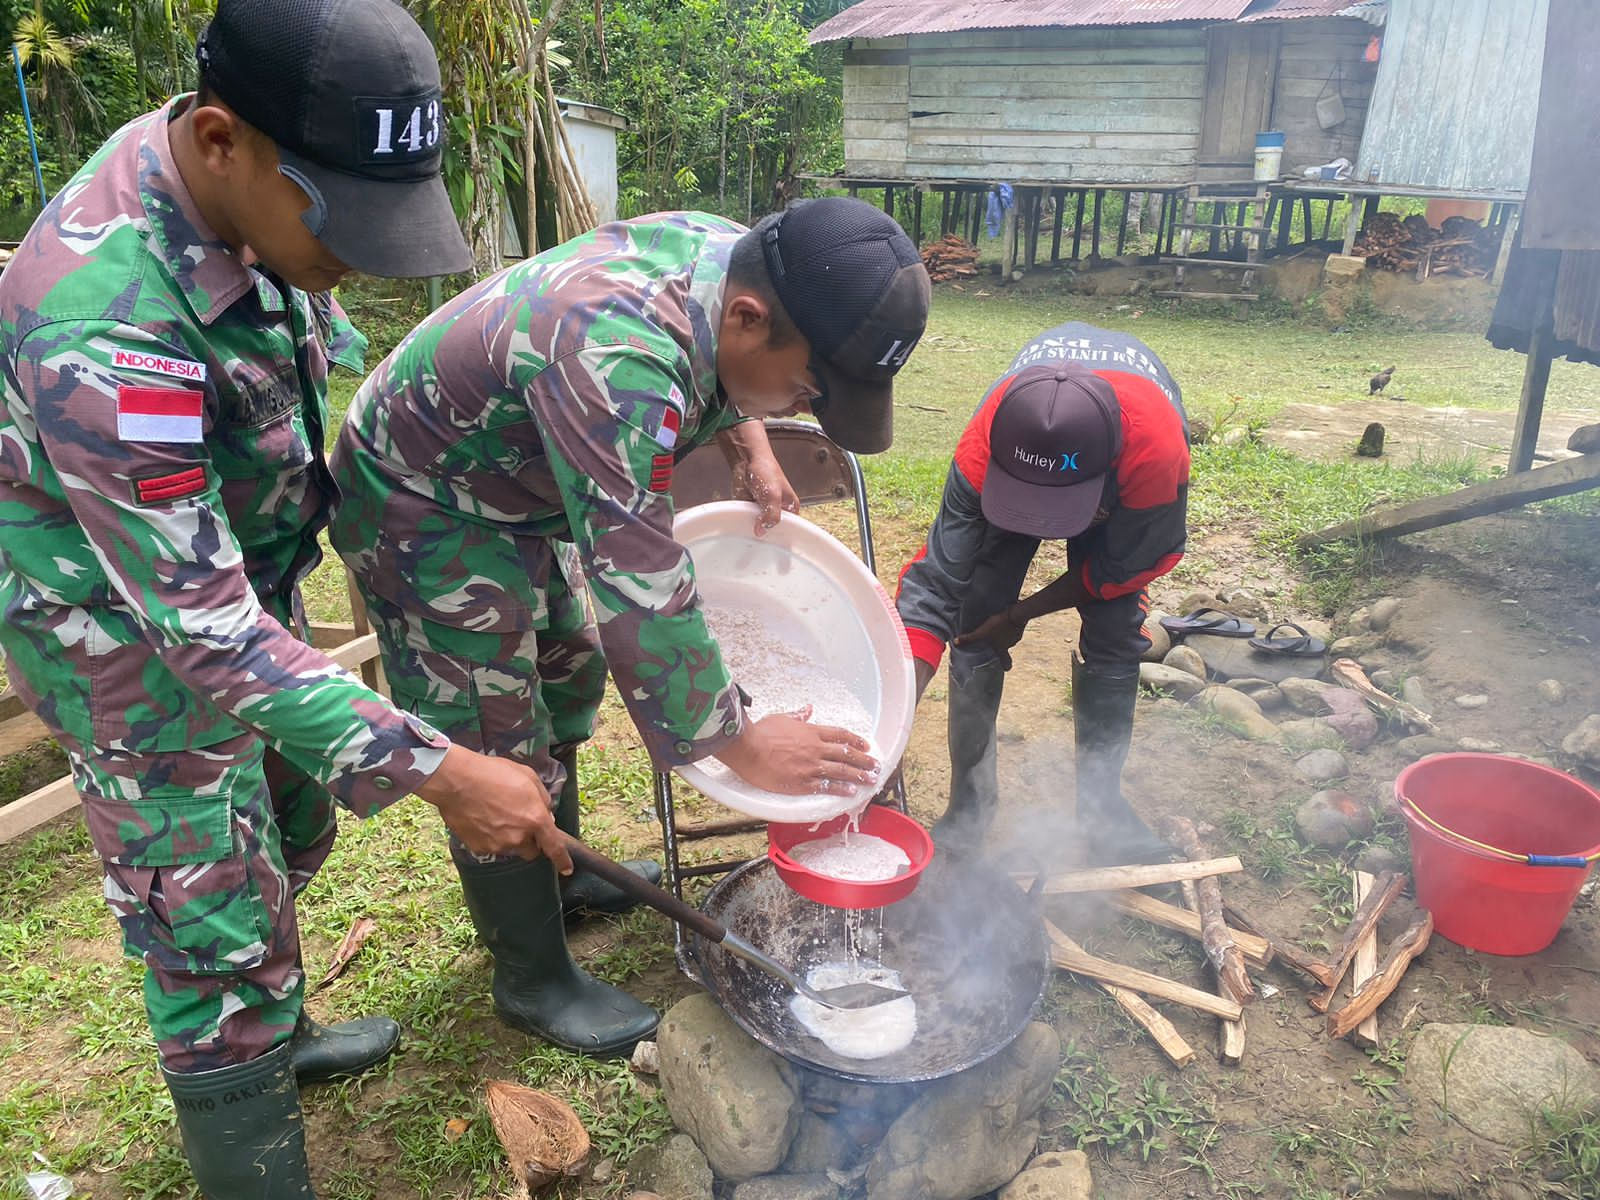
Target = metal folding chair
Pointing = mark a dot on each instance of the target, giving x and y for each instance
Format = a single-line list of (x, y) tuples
[(821, 472)]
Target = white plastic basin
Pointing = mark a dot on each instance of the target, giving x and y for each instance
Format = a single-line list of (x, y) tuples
[(813, 591)]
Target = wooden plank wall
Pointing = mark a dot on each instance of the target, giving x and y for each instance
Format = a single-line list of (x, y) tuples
[(1060, 105), (1312, 53)]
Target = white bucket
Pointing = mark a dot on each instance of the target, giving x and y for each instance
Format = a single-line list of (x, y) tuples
[(816, 594), (1269, 156)]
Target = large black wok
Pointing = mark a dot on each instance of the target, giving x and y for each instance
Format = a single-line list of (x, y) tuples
[(969, 945)]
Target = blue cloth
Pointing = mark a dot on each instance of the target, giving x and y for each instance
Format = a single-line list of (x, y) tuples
[(1000, 199)]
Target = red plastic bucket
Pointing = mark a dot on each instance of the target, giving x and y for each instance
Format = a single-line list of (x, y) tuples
[(886, 823), (1479, 899)]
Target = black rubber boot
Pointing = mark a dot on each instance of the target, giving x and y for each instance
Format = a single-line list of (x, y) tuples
[(974, 778), (343, 1050), (242, 1129), (1102, 714), (538, 989), (581, 892)]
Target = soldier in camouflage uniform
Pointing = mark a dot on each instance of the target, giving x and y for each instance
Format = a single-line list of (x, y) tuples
[(167, 333), (524, 436)]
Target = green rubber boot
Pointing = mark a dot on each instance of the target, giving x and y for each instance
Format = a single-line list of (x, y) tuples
[(242, 1130), (341, 1051), (538, 989), (581, 892), (1102, 714)]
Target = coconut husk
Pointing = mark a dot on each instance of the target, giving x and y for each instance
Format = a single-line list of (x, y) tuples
[(542, 1136)]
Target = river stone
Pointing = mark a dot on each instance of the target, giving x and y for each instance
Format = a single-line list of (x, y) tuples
[(1235, 658), (1383, 614), (1386, 680), (819, 1143), (1356, 646), (1243, 602), (1186, 658), (1308, 696), (1413, 693), (1475, 700), (787, 1187), (1170, 680), (1160, 639), (1496, 1080), (1360, 621), (1479, 745), (1323, 765), (1309, 733), (969, 1133), (738, 1100), (1420, 745), (1375, 860), (1238, 712), (1332, 820), (1195, 601), (1583, 743), (1354, 719), (1058, 1175), (676, 1170), (1551, 690), (1264, 692)]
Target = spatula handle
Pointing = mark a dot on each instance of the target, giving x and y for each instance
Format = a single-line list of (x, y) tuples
[(645, 892)]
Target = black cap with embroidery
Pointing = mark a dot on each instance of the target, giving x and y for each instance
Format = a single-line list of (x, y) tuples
[(854, 285), (349, 91)]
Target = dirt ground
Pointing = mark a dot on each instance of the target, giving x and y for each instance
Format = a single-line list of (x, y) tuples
[(1413, 432)]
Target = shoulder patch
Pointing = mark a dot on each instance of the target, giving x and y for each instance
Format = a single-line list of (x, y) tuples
[(158, 364), (155, 490), (148, 414), (667, 434)]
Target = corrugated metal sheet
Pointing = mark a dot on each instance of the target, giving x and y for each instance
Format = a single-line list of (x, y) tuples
[(1291, 10), (1457, 95), (891, 18)]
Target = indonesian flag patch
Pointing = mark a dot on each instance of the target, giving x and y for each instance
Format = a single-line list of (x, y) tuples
[(671, 422), (149, 414)]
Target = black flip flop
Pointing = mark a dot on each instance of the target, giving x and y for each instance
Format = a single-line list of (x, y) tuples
[(1301, 645), (1218, 624)]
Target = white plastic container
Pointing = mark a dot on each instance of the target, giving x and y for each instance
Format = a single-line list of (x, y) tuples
[(1269, 155), (809, 586)]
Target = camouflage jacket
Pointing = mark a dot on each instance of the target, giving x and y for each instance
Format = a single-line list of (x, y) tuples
[(162, 484), (551, 401)]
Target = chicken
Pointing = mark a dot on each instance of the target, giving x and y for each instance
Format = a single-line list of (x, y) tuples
[(1379, 381)]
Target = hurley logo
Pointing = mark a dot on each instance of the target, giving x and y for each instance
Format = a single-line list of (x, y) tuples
[(1069, 462)]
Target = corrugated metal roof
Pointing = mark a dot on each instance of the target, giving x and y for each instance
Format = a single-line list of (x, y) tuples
[(1456, 96), (891, 18), (1291, 10)]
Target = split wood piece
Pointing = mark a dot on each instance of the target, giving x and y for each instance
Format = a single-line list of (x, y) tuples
[(1389, 885), (1224, 954), (1230, 1034), (1116, 879), (1165, 1033), (1287, 951), (1069, 956), (1381, 986), (1365, 965), (1347, 673), (1257, 950)]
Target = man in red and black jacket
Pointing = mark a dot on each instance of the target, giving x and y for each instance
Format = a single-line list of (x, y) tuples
[(1084, 439)]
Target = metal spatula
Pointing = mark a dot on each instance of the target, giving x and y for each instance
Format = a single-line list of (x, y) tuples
[(844, 998)]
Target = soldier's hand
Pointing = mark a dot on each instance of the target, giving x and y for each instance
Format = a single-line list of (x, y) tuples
[(760, 479), (786, 753), (496, 806)]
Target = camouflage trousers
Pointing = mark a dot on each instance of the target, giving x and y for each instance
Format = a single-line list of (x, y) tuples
[(520, 694), (204, 851)]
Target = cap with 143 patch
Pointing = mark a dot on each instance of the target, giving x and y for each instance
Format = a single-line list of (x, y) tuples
[(854, 285), (1056, 433), (349, 91)]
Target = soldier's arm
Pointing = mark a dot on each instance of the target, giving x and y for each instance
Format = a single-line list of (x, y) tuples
[(128, 445), (601, 410)]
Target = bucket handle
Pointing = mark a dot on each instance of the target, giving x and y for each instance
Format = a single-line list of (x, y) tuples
[(1532, 860)]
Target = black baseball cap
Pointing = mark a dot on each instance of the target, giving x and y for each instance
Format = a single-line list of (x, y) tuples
[(349, 90), (854, 285), (1056, 434)]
